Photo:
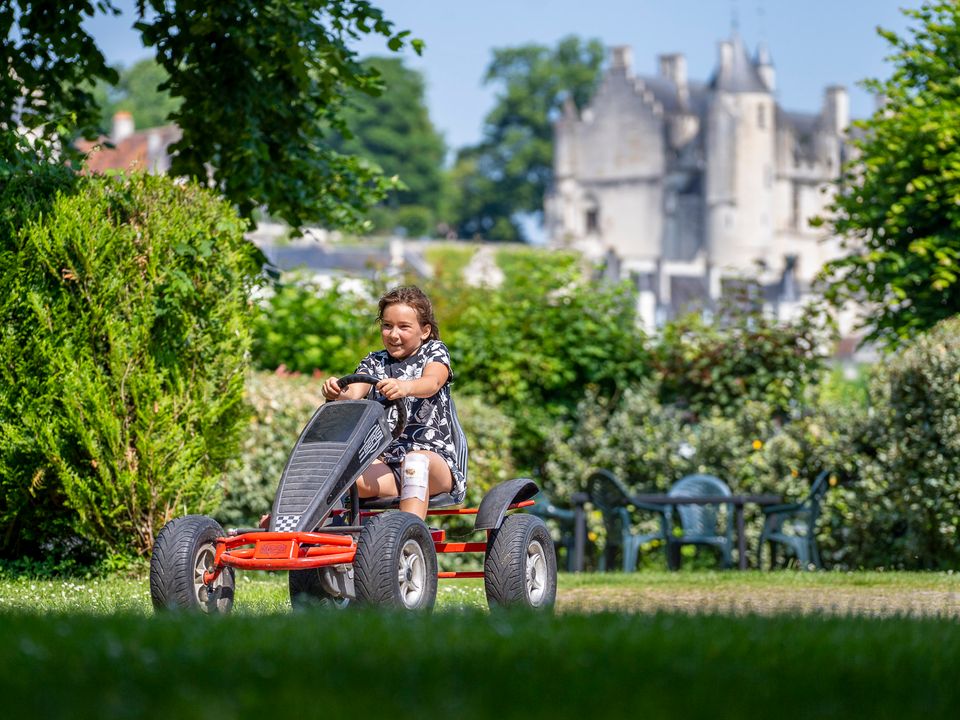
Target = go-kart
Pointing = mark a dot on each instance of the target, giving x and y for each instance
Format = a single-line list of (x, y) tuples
[(341, 550)]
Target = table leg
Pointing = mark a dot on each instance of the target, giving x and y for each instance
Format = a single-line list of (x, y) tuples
[(741, 539), (579, 530)]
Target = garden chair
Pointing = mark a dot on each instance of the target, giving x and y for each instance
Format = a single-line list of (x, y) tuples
[(699, 524), (613, 500), (562, 518), (794, 526)]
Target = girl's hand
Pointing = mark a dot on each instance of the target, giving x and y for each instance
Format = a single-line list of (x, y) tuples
[(331, 388), (391, 388)]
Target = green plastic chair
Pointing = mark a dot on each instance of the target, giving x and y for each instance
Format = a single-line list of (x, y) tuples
[(609, 495), (794, 526), (699, 524), (562, 518)]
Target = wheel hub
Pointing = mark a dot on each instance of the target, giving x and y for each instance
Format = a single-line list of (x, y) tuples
[(536, 572), (412, 573)]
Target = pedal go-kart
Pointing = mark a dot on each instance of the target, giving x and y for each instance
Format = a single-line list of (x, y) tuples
[(342, 550)]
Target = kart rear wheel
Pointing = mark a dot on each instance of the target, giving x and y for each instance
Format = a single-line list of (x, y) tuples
[(520, 567), (183, 551), (396, 563), (307, 591)]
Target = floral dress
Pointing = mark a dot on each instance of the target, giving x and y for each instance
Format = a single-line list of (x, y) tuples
[(432, 422)]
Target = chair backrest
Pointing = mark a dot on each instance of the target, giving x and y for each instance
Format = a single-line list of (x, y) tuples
[(700, 519), (609, 495)]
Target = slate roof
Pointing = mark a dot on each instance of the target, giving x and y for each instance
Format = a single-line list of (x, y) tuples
[(740, 75)]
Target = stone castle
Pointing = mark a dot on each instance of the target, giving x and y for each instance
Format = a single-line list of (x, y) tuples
[(684, 185)]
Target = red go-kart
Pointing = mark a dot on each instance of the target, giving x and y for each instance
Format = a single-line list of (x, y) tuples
[(342, 550)]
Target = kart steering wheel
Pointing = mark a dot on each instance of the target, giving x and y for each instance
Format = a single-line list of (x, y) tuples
[(387, 404)]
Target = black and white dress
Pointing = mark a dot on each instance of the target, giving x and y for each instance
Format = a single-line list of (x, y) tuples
[(432, 422)]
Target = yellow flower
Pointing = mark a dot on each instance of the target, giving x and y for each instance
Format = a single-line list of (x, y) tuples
[(757, 444)]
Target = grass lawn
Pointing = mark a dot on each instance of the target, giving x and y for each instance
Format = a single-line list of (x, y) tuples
[(690, 644)]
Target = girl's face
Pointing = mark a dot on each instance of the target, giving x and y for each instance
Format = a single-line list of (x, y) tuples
[(401, 331)]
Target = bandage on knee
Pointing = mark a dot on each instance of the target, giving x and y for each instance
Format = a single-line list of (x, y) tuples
[(416, 477)]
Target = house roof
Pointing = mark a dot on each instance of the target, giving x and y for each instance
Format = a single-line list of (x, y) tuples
[(143, 150)]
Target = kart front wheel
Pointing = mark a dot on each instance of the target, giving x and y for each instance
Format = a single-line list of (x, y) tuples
[(520, 567), (183, 551), (396, 563)]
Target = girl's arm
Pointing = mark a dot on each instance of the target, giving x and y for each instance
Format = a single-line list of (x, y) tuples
[(434, 377), (355, 391)]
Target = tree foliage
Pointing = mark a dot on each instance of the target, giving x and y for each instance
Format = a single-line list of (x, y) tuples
[(509, 172), (394, 131), (138, 92), (898, 202), (261, 87)]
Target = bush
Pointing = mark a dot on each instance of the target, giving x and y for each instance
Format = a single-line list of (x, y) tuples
[(304, 326), (902, 508), (282, 404), (125, 329), (533, 345), (744, 356)]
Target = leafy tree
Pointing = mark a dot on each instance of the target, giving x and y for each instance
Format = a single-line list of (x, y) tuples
[(509, 172), (898, 202), (261, 87), (137, 92), (394, 131)]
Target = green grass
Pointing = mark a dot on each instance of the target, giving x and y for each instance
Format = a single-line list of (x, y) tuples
[(93, 648)]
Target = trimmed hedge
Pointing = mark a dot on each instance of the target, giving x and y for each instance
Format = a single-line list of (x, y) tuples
[(125, 316)]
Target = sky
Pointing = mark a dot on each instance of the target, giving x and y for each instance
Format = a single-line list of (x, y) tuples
[(813, 43)]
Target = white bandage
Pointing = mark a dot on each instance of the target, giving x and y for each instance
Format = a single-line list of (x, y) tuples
[(416, 477)]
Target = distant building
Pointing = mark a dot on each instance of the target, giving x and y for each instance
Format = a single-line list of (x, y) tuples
[(144, 150), (682, 185)]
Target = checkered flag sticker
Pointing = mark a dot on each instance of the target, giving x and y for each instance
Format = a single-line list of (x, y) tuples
[(287, 523)]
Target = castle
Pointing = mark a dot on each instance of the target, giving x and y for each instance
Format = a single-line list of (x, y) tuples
[(683, 185)]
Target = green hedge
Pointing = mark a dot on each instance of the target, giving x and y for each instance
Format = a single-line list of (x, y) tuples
[(125, 316)]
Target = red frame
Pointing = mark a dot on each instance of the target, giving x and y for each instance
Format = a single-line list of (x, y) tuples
[(265, 550)]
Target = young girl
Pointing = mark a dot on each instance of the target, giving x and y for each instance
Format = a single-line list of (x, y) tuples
[(428, 457)]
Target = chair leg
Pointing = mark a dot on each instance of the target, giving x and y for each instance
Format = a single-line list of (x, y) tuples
[(673, 555)]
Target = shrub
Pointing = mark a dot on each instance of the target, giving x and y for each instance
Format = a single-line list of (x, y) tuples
[(304, 326), (125, 329), (533, 345), (743, 356), (902, 508)]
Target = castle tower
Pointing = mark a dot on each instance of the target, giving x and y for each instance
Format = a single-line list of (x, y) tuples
[(740, 145)]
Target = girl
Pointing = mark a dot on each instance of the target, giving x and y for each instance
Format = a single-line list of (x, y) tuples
[(429, 457)]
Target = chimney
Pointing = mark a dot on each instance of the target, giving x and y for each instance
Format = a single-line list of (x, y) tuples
[(673, 67), (621, 58), (836, 109), (122, 127)]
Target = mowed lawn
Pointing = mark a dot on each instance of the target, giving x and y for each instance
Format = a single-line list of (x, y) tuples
[(650, 644)]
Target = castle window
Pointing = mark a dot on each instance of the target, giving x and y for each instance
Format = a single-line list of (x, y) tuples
[(761, 116), (593, 220)]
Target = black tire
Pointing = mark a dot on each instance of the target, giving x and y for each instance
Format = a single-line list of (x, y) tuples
[(520, 567), (183, 550), (307, 592), (396, 563)]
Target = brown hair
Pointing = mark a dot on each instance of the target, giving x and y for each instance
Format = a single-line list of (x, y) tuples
[(417, 299)]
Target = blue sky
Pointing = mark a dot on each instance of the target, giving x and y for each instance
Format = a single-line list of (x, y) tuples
[(814, 43)]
